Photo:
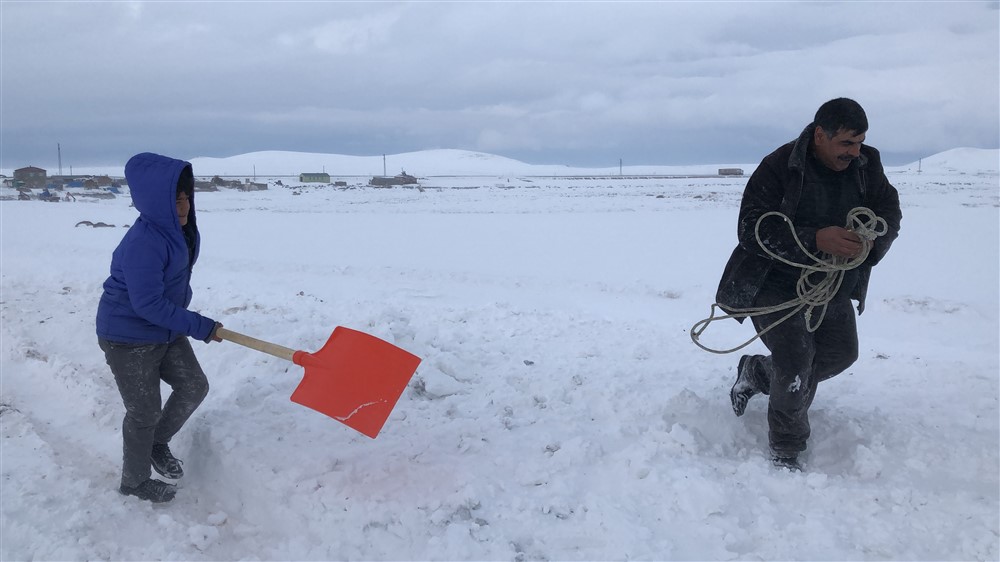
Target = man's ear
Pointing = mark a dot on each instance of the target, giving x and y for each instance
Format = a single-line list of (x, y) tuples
[(816, 134)]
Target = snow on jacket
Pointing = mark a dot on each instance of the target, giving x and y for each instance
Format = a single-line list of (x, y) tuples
[(776, 185), (146, 296)]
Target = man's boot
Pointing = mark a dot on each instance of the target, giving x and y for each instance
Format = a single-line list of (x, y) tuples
[(744, 388), (786, 461)]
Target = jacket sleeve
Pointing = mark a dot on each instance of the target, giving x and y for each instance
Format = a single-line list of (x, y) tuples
[(765, 192), (143, 266), (884, 201)]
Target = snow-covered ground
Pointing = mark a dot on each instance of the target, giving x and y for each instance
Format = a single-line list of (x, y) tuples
[(561, 410)]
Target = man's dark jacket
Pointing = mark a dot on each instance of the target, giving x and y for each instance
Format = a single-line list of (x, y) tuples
[(776, 185)]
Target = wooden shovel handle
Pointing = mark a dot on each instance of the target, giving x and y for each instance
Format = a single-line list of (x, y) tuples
[(254, 343)]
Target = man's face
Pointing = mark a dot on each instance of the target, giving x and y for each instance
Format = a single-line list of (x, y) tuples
[(837, 152)]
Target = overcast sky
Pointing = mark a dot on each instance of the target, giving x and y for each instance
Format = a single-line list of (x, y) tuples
[(575, 83)]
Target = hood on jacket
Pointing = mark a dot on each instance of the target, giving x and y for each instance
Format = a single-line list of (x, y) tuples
[(153, 180)]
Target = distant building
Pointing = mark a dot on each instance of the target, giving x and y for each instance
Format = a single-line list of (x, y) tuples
[(401, 179), (314, 177), (730, 171), (219, 182), (30, 177), (251, 186)]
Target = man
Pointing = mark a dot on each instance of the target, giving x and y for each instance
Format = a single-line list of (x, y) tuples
[(815, 181), (143, 323)]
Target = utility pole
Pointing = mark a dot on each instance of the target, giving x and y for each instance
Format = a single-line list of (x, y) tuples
[(619, 166), (383, 165), (59, 152)]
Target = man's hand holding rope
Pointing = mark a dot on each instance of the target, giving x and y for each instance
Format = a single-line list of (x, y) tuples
[(838, 241)]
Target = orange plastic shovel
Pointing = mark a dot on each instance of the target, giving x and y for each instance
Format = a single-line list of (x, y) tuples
[(355, 378)]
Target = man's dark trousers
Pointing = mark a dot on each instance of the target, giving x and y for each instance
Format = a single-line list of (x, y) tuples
[(799, 361)]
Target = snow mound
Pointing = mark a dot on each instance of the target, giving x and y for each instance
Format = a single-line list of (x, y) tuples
[(467, 163), (964, 159), (437, 162)]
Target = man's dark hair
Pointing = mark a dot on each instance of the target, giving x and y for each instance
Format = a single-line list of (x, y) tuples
[(841, 113)]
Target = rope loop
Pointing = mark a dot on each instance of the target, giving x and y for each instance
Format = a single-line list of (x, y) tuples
[(811, 294)]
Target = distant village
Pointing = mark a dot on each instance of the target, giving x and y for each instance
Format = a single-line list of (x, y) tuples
[(32, 182)]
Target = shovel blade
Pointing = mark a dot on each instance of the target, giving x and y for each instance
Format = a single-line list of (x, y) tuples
[(355, 379)]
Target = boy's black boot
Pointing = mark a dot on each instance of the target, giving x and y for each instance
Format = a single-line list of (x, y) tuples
[(165, 463), (151, 490)]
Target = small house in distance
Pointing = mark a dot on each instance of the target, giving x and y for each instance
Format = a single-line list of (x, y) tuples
[(730, 171), (252, 186), (201, 185), (401, 179), (218, 182), (29, 176), (314, 177)]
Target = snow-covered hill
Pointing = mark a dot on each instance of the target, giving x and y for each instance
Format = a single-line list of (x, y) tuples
[(454, 162), (966, 160), (441, 162)]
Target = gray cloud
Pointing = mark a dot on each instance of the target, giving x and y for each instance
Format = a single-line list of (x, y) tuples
[(561, 83)]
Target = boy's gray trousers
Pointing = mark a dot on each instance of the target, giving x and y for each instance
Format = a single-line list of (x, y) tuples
[(138, 369)]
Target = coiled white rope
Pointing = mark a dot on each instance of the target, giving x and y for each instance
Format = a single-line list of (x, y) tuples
[(809, 295)]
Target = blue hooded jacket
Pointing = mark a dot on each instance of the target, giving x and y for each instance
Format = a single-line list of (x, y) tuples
[(146, 297)]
